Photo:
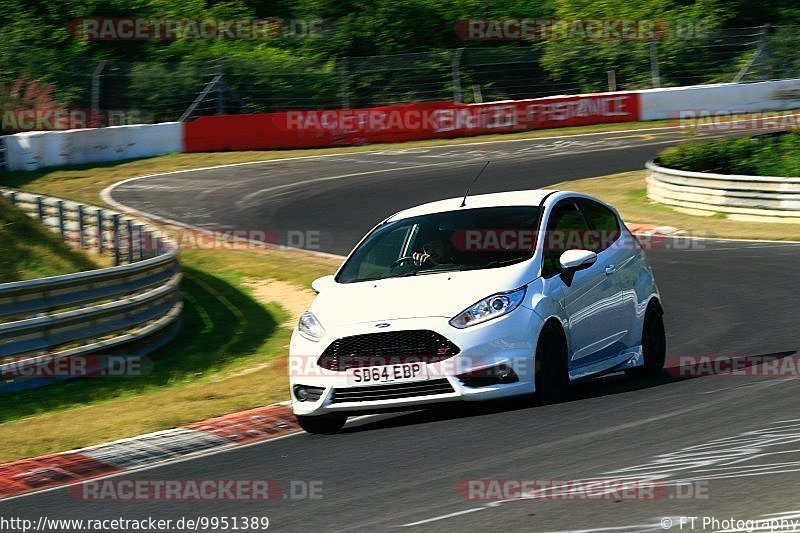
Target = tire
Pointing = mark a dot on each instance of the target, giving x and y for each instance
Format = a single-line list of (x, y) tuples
[(322, 424), (552, 375), (654, 345)]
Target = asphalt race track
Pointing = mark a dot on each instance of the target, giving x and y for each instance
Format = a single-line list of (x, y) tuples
[(727, 447)]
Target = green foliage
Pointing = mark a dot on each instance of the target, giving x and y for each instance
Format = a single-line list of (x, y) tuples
[(768, 155), (37, 45)]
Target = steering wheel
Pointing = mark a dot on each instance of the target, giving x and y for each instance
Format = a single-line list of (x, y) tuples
[(401, 261)]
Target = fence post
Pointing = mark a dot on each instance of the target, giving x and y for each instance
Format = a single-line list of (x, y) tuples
[(654, 74), (40, 208), (220, 85), (61, 222), (100, 231), (115, 226), (140, 240), (81, 228), (612, 80), (129, 231), (345, 81), (456, 73), (13, 197), (477, 95), (96, 91), (762, 43)]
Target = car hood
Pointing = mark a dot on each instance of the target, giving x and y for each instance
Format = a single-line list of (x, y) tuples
[(428, 295)]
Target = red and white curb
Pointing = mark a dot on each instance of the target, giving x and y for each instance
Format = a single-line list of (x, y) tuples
[(48, 471)]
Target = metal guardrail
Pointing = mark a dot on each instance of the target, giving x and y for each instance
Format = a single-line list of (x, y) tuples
[(760, 196), (132, 308)]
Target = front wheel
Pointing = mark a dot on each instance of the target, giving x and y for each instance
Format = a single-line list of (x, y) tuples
[(324, 424), (552, 375), (654, 345)]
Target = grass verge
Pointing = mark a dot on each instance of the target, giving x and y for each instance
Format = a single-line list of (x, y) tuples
[(628, 193), (30, 250)]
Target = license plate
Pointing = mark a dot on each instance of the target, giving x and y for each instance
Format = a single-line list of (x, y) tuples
[(374, 375)]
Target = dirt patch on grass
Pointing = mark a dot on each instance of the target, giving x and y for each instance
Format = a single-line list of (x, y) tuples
[(292, 297)]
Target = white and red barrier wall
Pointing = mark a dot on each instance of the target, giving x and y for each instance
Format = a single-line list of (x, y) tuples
[(395, 123)]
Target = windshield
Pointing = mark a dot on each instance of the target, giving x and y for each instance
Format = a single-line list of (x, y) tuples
[(467, 239)]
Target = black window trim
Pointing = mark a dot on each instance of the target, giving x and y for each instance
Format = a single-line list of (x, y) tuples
[(591, 223)]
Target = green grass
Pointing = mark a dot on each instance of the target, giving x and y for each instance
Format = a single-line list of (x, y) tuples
[(628, 193), (30, 250)]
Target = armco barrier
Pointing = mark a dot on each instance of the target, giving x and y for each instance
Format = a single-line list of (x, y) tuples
[(407, 122), (39, 149), (130, 309), (774, 197)]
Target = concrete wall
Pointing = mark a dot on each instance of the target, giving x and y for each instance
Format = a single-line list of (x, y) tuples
[(777, 95), (34, 150)]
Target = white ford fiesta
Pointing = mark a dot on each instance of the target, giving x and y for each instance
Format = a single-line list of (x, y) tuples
[(492, 296)]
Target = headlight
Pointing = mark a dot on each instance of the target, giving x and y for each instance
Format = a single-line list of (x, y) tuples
[(309, 327), (490, 307)]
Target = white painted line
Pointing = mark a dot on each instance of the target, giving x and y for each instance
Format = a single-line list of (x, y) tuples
[(638, 527), (444, 516), (259, 192)]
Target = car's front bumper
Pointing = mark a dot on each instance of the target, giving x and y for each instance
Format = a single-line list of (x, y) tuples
[(508, 340)]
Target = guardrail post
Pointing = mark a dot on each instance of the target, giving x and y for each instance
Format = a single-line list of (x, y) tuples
[(115, 226), (61, 222), (40, 208), (140, 240), (129, 231), (100, 231), (81, 228)]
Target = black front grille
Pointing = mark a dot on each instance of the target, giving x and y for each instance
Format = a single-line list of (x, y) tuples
[(392, 391), (386, 348)]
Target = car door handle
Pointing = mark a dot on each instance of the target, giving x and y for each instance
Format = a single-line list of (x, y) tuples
[(610, 269)]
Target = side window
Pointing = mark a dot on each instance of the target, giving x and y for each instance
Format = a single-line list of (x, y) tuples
[(565, 231), (604, 223)]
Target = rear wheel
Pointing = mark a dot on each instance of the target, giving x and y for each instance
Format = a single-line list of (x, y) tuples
[(552, 376), (324, 424), (654, 344)]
